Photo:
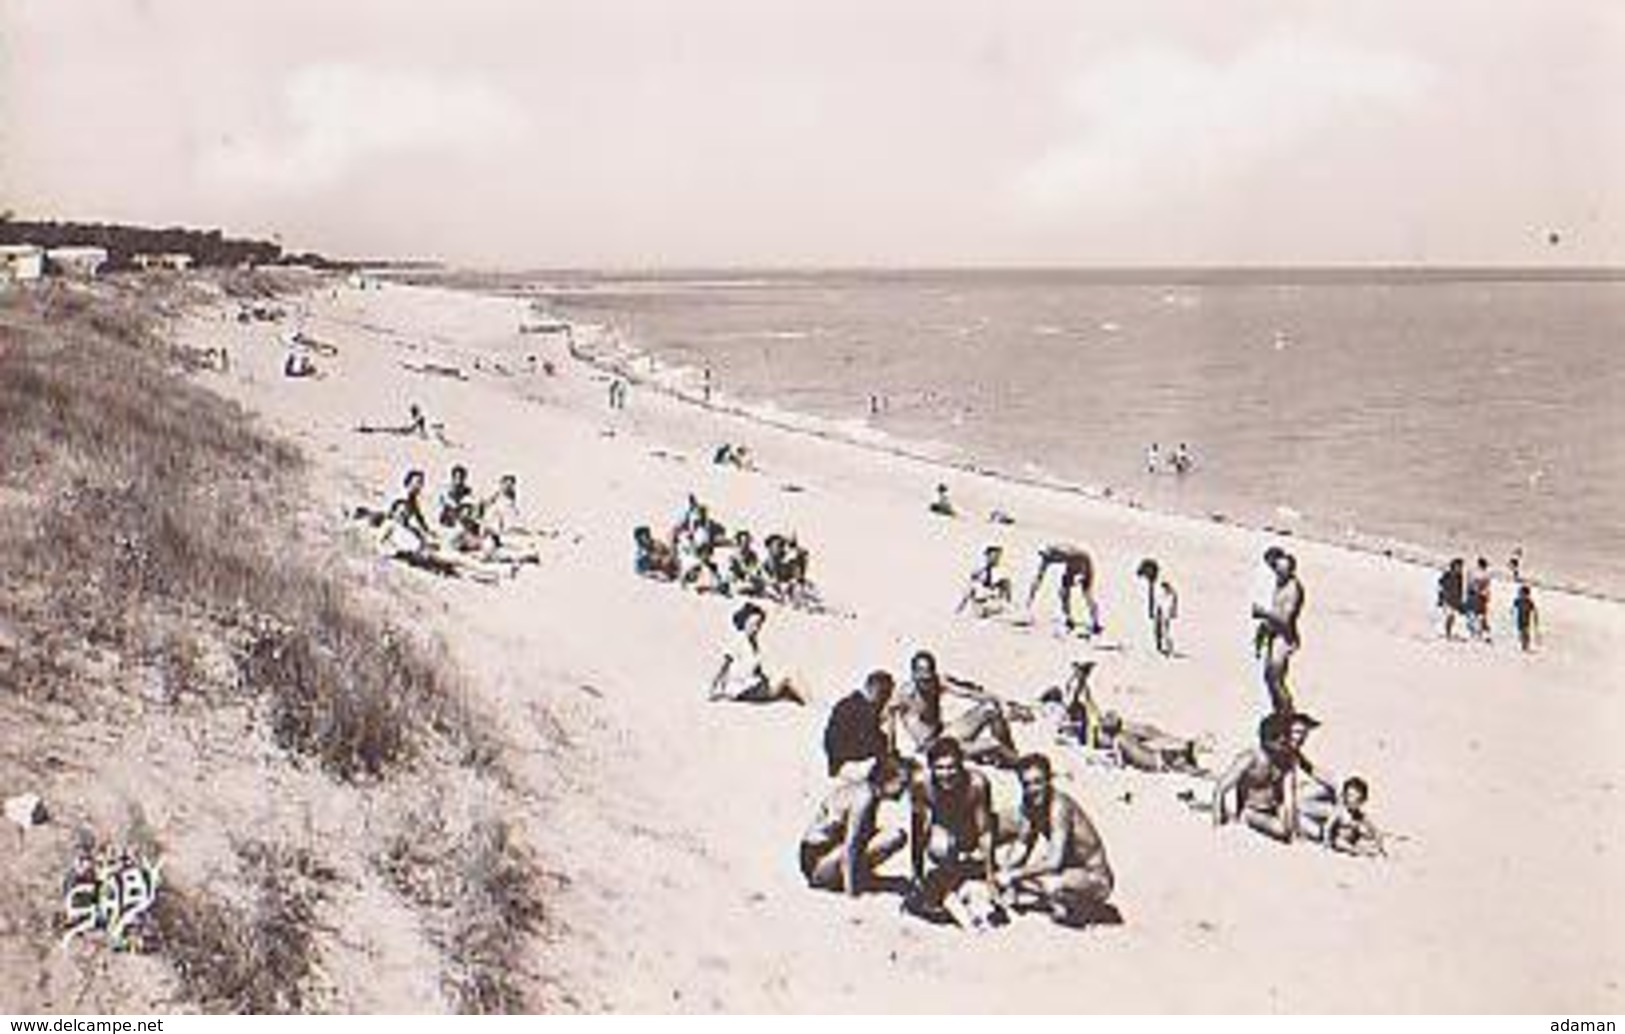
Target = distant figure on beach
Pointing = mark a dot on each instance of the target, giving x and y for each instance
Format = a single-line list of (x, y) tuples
[(297, 363), (457, 498), (652, 558), (1525, 617), (1153, 459), (1478, 601), (1350, 830), (1182, 461), (988, 589), (846, 843), (1077, 716), (859, 725), (1161, 604), (1077, 573), (705, 387), (951, 831), (618, 391), (1278, 627), (729, 455), (1515, 565), (499, 512), (411, 506), (741, 676), (1452, 597), (982, 732), (1264, 784), (1058, 863), (942, 506), (745, 576), (416, 425)]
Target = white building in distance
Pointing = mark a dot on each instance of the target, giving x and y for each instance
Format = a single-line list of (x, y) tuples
[(20, 262), (175, 260), (76, 260)]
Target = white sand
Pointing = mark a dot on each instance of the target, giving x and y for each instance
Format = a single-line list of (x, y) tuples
[(673, 823)]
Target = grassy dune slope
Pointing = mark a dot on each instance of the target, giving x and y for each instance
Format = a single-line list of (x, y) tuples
[(182, 670)]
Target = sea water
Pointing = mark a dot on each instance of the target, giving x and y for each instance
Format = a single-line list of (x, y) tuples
[(1433, 413)]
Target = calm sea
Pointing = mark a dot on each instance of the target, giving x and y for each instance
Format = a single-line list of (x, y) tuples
[(1447, 414)]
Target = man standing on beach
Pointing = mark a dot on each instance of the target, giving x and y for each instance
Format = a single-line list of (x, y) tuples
[(1278, 627), (1077, 572), (1452, 595)]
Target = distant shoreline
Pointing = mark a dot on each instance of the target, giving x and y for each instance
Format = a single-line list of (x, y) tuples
[(524, 282), (824, 429)]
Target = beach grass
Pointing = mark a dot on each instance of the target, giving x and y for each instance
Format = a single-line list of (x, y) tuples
[(155, 549)]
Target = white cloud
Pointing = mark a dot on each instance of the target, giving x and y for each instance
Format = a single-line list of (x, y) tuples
[(338, 117), (1159, 124)]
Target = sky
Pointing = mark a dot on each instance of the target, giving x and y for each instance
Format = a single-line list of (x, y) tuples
[(650, 133)]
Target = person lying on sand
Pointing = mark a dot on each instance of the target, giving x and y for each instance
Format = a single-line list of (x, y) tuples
[(988, 588), (951, 832), (741, 676), (982, 733), (846, 842), (1057, 863), (859, 727), (1278, 627), (1077, 573), (652, 558), (416, 425), (942, 506), (1350, 831), (1265, 786), (1143, 746)]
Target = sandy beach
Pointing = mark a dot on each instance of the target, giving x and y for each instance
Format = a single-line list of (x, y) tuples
[(671, 824)]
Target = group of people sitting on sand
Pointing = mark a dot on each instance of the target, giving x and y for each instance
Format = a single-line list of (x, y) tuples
[(1465, 595), (968, 862), (923, 765), (469, 535), (701, 554)]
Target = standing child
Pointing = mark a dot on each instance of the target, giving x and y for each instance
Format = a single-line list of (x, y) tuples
[(1526, 616)]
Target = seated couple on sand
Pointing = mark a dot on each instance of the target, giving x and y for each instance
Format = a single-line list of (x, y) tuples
[(962, 867), (1273, 789)]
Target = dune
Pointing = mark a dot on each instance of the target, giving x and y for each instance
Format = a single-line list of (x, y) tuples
[(672, 823)]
